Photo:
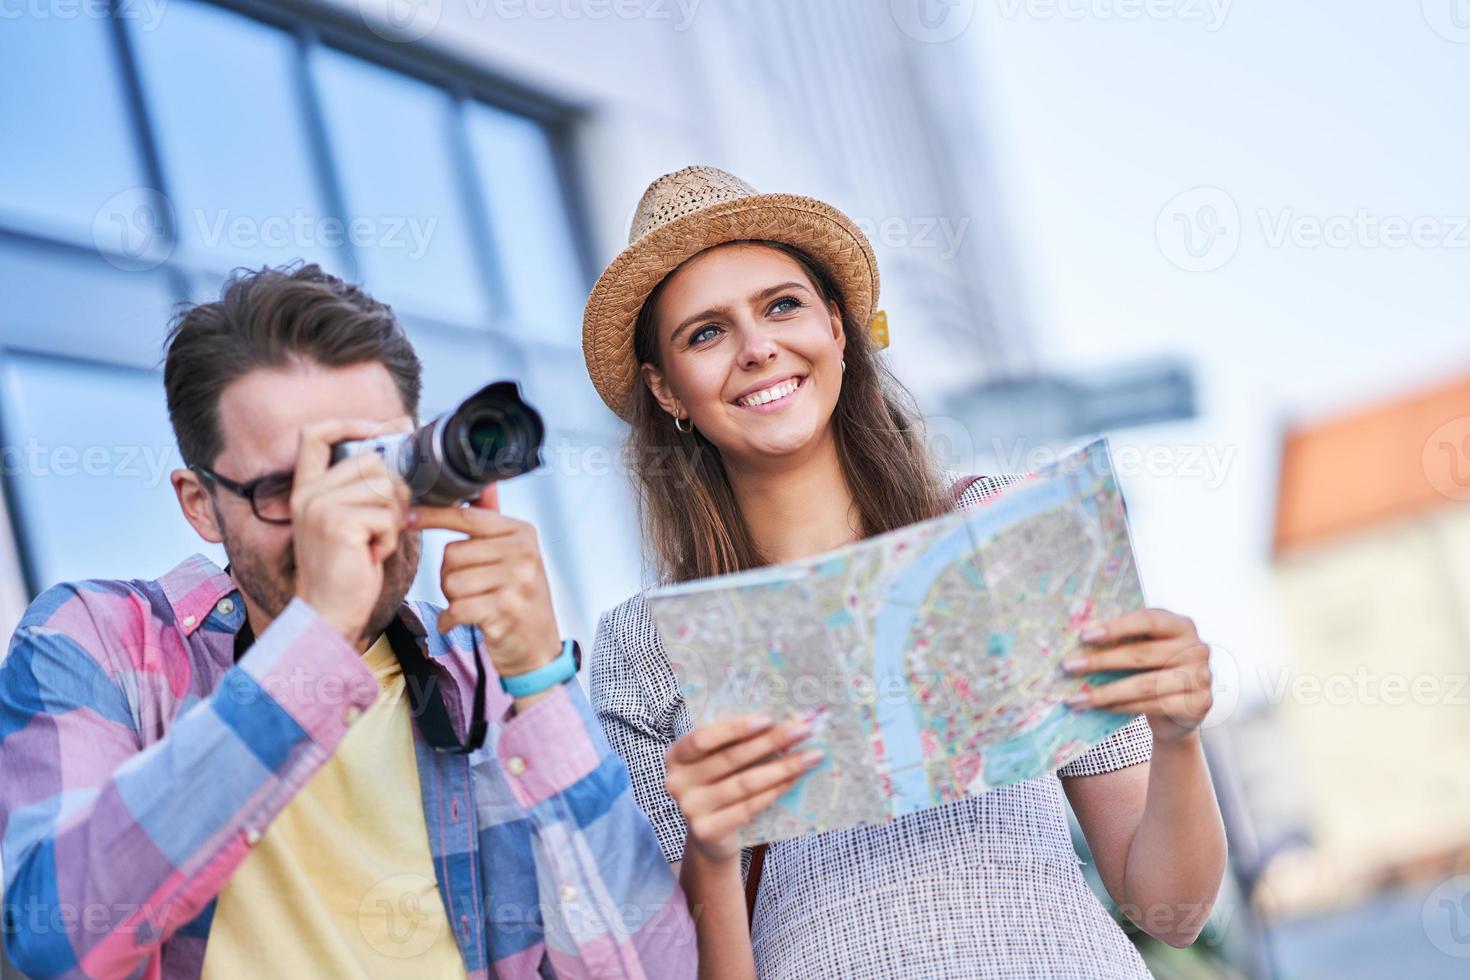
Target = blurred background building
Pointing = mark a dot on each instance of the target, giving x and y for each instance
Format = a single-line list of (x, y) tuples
[(1177, 223)]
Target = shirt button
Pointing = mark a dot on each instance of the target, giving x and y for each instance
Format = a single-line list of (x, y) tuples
[(226, 606), (190, 620), (252, 836), (352, 714), (516, 765), (568, 893)]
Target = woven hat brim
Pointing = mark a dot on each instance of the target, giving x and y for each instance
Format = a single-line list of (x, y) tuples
[(815, 227)]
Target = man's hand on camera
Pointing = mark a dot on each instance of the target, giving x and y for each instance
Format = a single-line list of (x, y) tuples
[(494, 579), (345, 521)]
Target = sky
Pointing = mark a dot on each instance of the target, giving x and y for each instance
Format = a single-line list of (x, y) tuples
[(1275, 193)]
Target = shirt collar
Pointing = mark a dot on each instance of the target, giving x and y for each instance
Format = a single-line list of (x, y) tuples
[(192, 588)]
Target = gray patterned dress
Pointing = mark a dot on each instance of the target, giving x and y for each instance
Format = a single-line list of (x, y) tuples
[(988, 886)]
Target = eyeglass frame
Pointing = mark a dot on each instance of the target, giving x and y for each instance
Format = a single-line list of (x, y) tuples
[(249, 488)]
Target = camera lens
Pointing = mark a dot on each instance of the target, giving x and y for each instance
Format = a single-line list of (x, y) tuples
[(493, 436), (487, 439)]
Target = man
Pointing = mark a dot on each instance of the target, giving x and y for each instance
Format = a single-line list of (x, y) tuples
[(266, 770)]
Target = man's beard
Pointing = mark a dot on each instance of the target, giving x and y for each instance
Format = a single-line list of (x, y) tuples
[(273, 588)]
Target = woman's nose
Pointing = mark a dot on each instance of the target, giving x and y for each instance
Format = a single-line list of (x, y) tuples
[(756, 347)]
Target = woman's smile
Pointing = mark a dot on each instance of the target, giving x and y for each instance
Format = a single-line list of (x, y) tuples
[(771, 396)]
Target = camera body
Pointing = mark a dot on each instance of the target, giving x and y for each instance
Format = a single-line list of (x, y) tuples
[(492, 435)]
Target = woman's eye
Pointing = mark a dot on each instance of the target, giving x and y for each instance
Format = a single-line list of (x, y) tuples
[(703, 334), (785, 304)]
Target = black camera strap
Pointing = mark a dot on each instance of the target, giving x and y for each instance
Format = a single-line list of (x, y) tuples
[(423, 683)]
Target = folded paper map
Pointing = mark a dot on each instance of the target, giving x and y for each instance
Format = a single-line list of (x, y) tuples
[(928, 658)]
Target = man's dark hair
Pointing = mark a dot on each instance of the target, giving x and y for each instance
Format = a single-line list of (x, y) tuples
[(268, 318)]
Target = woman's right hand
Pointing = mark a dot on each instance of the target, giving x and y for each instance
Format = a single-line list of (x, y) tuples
[(725, 773)]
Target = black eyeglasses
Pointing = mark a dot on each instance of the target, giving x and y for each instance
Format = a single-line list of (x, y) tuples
[(269, 495)]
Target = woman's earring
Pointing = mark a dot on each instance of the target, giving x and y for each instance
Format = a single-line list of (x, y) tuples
[(681, 418), (843, 362)]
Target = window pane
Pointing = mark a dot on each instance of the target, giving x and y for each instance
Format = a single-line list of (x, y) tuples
[(529, 223), (69, 150), (390, 137), (222, 93), (599, 523), (75, 303), (91, 485), (457, 363)]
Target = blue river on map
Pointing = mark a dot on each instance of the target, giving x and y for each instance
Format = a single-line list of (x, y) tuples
[(898, 718)]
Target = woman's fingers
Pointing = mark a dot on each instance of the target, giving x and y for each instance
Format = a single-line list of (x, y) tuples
[(751, 744), (1140, 624), (707, 739), (739, 755), (1138, 687), (1146, 655), (750, 782), (741, 807)]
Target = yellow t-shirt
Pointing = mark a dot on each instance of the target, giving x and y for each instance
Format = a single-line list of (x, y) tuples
[(342, 882)]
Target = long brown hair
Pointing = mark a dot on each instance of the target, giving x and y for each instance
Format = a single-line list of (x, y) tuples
[(693, 527)]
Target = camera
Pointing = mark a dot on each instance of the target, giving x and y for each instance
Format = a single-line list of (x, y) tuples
[(492, 435)]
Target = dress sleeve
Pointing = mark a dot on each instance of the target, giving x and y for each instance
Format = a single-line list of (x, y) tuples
[(1128, 746), (636, 696)]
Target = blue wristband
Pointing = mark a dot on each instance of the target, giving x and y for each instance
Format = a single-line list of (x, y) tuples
[(560, 670)]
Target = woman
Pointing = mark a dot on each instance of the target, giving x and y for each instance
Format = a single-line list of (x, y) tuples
[(732, 335)]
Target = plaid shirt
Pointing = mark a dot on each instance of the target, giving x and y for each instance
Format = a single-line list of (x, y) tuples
[(141, 763)]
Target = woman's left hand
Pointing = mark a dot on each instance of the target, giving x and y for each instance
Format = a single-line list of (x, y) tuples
[(1171, 686)]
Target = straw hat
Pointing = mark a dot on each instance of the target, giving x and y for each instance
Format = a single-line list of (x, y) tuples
[(684, 213)]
